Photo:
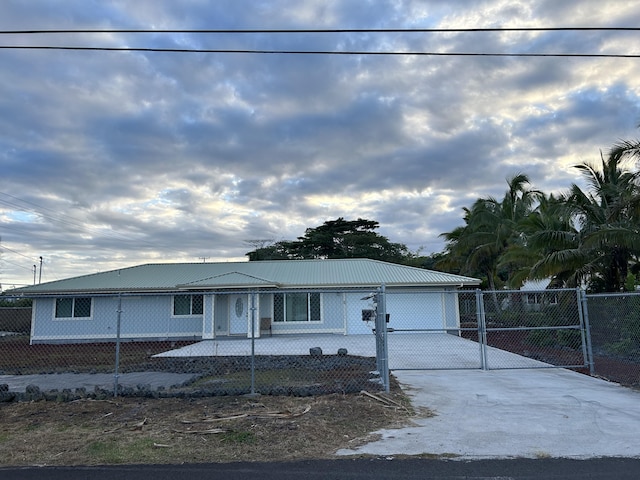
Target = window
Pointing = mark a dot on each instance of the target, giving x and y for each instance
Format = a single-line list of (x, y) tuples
[(79, 307), (187, 305), (541, 298), (297, 307)]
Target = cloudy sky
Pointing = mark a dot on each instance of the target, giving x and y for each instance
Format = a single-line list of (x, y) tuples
[(116, 158)]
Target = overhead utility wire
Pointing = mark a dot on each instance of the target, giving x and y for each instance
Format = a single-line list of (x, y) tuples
[(319, 52), (4, 260), (329, 30), (68, 220), (17, 253)]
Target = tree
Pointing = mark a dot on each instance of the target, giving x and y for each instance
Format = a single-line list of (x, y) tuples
[(547, 229), (585, 237), (491, 228), (605, 243), (283, 250), (338, 238)]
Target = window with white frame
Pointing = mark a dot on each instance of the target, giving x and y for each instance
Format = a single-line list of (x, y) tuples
[(78, 307), (297, 307), (184, 305)]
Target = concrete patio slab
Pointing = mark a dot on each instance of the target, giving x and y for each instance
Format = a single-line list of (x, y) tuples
[(406, 351)]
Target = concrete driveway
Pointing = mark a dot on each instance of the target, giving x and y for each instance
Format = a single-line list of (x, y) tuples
[(518, 412), (514, 413), (524, 412)]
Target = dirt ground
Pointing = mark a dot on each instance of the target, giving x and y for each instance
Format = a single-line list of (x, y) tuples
[(213, 429)]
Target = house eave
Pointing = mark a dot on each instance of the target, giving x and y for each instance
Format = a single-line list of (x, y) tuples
[(214, 288), (100, 292)]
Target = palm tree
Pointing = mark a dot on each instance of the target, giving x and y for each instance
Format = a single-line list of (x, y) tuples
[(545, 230), (581, 238), (491, 228), (598, 235)]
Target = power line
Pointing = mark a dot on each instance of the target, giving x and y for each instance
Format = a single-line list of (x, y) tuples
[(326, 30), (17, 253), (319, 52), (4, 260), (316, 31)]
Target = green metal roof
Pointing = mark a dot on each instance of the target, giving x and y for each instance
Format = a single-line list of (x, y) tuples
[(341, 273)]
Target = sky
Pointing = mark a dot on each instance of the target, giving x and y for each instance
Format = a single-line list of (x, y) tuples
[(111, 159)]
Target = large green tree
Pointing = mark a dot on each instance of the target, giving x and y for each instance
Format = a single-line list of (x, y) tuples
[(584, 237), (338, 238), (603, 247), (547, 229), (491, 228)]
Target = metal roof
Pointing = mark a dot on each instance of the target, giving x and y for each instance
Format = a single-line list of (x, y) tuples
[(340, 273)]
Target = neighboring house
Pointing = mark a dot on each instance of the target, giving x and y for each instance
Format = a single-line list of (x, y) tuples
[(536, 297), (210, 300)]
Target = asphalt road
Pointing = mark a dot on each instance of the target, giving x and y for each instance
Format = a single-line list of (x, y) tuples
[(390, 468)]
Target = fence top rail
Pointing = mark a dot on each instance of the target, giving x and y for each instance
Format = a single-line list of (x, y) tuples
[(547, 290), (612, 294), (359, 289)]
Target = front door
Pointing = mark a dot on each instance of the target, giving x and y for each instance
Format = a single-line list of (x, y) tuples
[(238, 314)]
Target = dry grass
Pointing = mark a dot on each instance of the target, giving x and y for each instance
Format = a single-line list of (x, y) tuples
[(215, 429)]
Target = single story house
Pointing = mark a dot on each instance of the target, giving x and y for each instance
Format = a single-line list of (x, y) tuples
[(210, 300), (536, 296)]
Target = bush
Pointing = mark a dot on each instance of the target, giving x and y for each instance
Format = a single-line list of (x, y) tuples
[(555, 338)]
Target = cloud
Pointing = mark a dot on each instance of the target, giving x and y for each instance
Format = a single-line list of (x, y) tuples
[(111, 159)]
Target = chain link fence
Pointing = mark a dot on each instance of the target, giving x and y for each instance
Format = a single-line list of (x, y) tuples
[(188, 344), (302, 343), (432, 330), (615, 336)]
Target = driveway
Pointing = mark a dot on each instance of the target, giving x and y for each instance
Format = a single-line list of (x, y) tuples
[(514, 413), (523, 412), (520, 412)]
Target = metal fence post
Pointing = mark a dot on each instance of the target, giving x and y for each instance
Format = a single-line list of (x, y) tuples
[(382, 349), (119, 318), (482, 329), (584, 318), (253, 343)]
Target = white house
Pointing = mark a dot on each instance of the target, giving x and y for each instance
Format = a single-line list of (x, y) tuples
[(209, 300)]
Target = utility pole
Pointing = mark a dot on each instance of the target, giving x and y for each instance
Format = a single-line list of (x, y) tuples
[(40, 277), (34, 274), (204, 259)]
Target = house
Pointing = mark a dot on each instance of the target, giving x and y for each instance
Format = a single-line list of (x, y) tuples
[(536, 296), (210, 300)]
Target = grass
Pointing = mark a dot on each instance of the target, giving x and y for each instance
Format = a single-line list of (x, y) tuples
[(114, 451), (239, 437), (284, 378), (197, 430), (176, 430)]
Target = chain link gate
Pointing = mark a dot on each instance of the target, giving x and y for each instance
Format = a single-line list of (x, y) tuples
[(489, 330)]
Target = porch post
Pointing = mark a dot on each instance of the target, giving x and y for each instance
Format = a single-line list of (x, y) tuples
[(208, 318)]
